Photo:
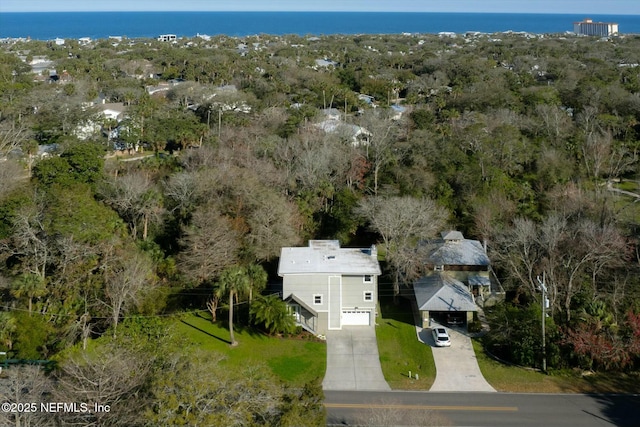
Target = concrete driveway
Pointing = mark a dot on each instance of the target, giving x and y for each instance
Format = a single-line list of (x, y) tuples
[(456, 366), (352, 360)]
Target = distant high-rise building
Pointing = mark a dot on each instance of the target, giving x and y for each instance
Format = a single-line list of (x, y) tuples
[(167, 38), (590, 28)]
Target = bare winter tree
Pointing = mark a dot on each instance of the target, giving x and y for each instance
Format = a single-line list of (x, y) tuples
[(76, 263), (12, 135), (518, 253), (402, 222), (555, 122), (200, 391), (273, 223), (127, 275), (380, 148), (30, 240), (10, 175), (571, 253), (136, 199), (604, 157), (212, 306), (182, 191), (112, 377), (210, 244), (25, 385)]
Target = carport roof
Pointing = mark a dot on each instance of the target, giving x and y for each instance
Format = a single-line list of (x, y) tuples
[(440, 292)]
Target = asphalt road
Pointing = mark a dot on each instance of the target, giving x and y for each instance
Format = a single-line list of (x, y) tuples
[(480, 409)]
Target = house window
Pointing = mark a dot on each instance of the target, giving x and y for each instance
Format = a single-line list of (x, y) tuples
[(368, 296), (317, 299), (438, 268), (368, 278)]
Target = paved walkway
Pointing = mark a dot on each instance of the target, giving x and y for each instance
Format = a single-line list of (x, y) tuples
[(352, 360), (456, 366)]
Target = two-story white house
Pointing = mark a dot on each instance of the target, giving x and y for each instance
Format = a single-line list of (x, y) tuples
[(328, 287)]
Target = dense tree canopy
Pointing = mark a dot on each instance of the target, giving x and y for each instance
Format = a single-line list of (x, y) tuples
[(222, 157)]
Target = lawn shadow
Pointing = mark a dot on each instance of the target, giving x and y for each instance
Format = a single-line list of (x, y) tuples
[(205, 332), (238, 326), (399, 309)]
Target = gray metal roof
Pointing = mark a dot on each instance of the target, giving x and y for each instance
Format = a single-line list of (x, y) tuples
[(454, 249), (440, 292), (452, 235), (327, 257), (479, 280)]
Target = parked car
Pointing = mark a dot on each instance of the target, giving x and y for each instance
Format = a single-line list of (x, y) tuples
[(441, 337), (455, 319)]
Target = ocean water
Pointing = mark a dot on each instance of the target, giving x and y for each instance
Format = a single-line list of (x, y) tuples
[(47, 26)]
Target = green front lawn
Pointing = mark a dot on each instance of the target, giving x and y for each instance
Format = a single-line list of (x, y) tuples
[(400, 351), (296, 361), (514, 379)]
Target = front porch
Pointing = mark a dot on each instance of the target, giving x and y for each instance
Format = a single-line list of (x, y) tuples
[(304, 315)]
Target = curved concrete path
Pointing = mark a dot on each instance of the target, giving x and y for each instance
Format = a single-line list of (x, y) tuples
[(456, 366), (352, 360)]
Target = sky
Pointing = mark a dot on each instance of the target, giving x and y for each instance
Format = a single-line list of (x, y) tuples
[(603, 7)]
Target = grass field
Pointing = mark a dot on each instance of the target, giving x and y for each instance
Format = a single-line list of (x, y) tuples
[(294, 360), (520, 380), (400, 351), (297, 361)]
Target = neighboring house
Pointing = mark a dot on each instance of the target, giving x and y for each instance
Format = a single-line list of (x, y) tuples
[(456, 279), (325, 63), (48, 150), (331, 113), (398, 111), (354, 134), (367, 99), (113, 111), (328, 287)]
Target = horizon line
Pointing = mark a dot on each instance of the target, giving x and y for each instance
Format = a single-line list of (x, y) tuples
[(317, 11)]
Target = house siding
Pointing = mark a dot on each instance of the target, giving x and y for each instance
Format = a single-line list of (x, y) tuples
[(306, 286), (353, 289), (323, 322), (335, 302), (339, 293)]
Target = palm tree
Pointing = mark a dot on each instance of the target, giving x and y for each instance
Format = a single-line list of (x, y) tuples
[(233, 281), (257, 279), (29, 286), (274, 314), (8, 327)]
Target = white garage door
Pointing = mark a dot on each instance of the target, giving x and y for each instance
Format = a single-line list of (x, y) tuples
[(355, 318)]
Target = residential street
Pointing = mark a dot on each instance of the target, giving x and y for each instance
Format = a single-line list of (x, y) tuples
[(481, 409)]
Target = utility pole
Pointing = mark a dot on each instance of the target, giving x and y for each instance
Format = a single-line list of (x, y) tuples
[(543, 289)]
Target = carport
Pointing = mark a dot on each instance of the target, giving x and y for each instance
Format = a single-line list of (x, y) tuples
[(442, 297)]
